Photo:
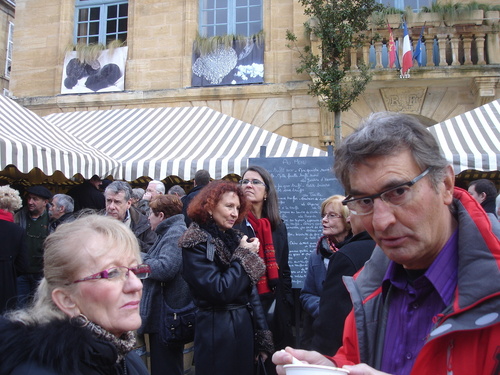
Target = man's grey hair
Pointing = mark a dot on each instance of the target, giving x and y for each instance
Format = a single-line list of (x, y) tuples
[(118, 186), (65, 201), (178, 190), (202, 177), (385, 134), (159, 186), (137, 193)]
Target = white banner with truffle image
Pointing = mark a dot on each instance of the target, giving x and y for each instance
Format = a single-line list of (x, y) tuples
[(106, 73)]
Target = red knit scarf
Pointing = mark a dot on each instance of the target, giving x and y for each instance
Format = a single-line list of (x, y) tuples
[(262, 229), (6, 215)]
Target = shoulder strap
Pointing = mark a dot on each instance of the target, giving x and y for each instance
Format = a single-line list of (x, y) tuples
[(210, 247)]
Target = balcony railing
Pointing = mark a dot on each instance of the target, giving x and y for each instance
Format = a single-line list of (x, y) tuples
[(473, 41)]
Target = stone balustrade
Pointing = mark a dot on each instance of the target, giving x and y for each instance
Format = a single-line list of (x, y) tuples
[(459, 44)]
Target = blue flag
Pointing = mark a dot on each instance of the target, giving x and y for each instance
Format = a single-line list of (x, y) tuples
[(417, 53)]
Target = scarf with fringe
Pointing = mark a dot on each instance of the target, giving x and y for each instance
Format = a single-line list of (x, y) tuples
[(262, 229)]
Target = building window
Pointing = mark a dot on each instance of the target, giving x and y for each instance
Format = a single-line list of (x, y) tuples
[(226, 17), (8, 55), (100, 21), (415, 5)]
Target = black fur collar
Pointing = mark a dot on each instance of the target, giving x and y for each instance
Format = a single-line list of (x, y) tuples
[(57, 345)]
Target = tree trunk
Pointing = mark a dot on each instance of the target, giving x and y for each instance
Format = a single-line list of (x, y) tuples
[(337, 128)]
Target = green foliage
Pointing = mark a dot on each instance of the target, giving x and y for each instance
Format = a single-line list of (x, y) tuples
[(205, 45), (88, 53), (339, 25), (454, 10)]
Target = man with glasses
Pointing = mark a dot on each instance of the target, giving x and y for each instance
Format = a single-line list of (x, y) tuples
[(428, 300)]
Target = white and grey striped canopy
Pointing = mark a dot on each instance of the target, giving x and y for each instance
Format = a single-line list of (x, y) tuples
[(471, 140), (28, 141), (160, 142)]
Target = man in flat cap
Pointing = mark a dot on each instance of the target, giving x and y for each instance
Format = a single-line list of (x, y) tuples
[(34, 218)]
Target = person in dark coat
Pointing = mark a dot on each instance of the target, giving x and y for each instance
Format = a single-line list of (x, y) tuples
[(222, 268), (88, 195), (485, 192), (335, 302), (336, 232), (275, 287), (86, 308), (165, 282), (13, 255), (34, 219), (60, 211), (119, 205), (201, 179)]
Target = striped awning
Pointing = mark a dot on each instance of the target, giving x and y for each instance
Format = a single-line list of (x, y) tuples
[(471, 140), (28, 141), (159, 142)]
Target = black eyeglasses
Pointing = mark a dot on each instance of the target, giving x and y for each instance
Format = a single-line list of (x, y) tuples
[(254, 182), (142, 271), (397, 196)]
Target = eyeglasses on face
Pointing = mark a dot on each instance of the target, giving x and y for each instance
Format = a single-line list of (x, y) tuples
[(142, 271), (332, 215), (396, 196), (254, 182)]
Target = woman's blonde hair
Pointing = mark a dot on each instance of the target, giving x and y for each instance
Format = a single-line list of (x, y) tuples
[(10, 200), (336, 201), (64, 253)]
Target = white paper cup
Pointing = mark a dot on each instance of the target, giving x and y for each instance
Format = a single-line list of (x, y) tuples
[(305, 369)]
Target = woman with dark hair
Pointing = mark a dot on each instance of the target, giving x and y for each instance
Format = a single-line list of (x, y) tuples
[(222, 267), (165, 282), (264, 222)]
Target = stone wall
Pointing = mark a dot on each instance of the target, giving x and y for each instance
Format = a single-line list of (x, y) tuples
[(158, 72)]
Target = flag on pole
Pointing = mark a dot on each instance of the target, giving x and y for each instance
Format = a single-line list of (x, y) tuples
[(417, 54), (391, 48), (407, 54)]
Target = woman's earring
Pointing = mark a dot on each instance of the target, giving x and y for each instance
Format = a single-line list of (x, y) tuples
[(79, 321)]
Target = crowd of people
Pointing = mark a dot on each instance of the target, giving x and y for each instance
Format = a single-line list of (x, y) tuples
[(404, 278)]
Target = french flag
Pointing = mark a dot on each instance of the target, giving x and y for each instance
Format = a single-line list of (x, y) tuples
[(407, 53)]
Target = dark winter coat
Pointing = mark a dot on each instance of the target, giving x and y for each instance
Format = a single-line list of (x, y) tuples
[(165, 260), (280, 322), (68, 217), (335, 302), (58, 348), (187, 199), (13, 261), (139, 224), (86, 195), (230, 324)]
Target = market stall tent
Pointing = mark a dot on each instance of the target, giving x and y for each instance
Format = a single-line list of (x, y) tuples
[(30, 144), (471, 141), (160, 142)]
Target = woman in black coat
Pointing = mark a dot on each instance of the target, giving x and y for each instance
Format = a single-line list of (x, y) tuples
[(222, 267), (275, 291), (86, 308), (13, 256)]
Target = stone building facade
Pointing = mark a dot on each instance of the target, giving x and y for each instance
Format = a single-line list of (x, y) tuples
[(7, 11), (158, 70)]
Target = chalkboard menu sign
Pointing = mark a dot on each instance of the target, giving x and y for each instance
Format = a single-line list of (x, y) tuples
[(303, 184)]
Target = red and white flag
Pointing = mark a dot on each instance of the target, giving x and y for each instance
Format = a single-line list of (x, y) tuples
[(391, 48), (407, 53)]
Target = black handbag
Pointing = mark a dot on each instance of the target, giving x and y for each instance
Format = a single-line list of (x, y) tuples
[(177, 325)]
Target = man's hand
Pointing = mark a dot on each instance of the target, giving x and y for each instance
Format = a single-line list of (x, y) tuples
[(285, 357)]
